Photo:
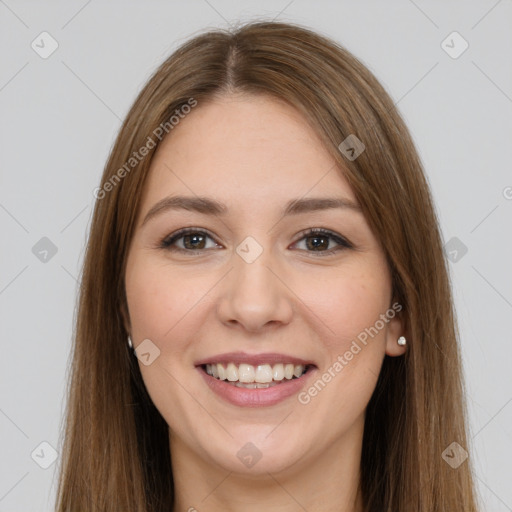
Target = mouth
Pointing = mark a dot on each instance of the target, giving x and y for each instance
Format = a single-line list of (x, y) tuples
[(260, 376), (247, 380)]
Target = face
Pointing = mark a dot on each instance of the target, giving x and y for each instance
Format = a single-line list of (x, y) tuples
[(285, 300)]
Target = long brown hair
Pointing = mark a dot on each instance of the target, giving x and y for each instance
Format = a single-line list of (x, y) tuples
[(116, 451)]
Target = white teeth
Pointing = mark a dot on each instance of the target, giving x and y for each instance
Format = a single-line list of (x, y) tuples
[(298, 370), (263, 375), (246, 373), (253, 385), (232, 372), (278, 372)]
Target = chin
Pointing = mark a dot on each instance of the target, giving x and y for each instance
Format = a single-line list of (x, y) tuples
[(253, 451)]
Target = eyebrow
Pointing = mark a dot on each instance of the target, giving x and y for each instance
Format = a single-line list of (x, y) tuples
[(208, 206)]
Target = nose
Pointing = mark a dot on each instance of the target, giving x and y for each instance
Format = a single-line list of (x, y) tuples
[(254, 295)]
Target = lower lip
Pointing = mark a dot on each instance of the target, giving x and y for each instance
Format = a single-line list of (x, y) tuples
[(258, 397)]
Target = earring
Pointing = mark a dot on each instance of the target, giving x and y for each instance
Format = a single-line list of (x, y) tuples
[(130, 344), (402, 341)]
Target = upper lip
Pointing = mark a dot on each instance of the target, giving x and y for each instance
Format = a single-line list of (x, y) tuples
[(253, 359)]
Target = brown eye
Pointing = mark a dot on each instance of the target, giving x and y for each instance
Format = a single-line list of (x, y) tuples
[(188, 240), (316, 242), (322, 242), (196, 241)]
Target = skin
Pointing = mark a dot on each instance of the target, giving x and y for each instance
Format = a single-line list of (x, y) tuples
[(254, 154)]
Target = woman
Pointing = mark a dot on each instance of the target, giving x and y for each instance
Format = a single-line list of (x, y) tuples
[(265, 318)]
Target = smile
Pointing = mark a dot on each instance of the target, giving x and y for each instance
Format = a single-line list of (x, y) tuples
[(261, 384), (255, 376)]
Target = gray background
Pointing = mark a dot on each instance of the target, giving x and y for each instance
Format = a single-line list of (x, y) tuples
[(60, 115)]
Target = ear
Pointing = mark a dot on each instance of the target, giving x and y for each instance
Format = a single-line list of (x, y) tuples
[(395, 329)]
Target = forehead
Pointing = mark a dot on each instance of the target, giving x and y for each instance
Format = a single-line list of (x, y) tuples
[(244, 150)]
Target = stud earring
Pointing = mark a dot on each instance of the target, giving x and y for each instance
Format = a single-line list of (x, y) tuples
[(130, 344), (402, 341)]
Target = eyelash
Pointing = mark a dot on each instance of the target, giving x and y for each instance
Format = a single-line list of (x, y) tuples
[(166, 243)]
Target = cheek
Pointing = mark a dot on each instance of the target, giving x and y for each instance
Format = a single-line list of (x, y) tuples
[(350, 308), (163, 306), (159, 299), (348, 303)]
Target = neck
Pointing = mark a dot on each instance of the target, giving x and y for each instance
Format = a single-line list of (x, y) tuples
[(329, 481)]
